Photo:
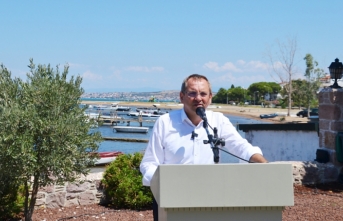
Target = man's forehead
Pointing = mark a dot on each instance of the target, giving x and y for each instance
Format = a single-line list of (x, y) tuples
[(194, 80), (192, 83)]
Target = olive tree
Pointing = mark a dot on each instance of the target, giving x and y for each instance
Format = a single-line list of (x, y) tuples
[(45, 136), (9, 166)]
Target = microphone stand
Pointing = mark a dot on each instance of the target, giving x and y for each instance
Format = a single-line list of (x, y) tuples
[(214, 141)]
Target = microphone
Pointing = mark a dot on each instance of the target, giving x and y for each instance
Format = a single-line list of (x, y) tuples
[(200, 111), (194, 135)]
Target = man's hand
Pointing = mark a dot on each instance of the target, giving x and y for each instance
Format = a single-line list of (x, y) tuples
[(257, 158)]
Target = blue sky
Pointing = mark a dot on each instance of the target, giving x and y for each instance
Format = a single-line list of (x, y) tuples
[(154, 45)]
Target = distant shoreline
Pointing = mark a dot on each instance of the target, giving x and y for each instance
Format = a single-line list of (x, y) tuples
[(250, 111)]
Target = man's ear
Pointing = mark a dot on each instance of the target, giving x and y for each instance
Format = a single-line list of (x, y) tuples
[(181, 97)]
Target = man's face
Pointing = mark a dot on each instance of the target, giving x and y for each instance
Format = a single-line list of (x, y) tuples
[(197, 94)]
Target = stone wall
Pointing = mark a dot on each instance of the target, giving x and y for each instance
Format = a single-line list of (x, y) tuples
[(311, 172), (71, 194), (89, 191), (331, 122)]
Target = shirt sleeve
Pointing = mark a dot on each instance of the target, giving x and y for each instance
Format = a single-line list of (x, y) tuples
[(235, 143), (153, 156)]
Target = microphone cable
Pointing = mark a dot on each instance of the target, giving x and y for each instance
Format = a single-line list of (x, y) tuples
[(248, 161)]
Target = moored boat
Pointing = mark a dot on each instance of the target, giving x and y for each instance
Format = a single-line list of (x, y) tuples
[(145, 115), (147, 109), (107, 157), (129, 129)]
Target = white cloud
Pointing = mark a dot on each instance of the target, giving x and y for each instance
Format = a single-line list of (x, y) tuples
[(91, 76), (228, 66), (77, 66), (256, 65), (241, 62), (239, 66), (116, 74), (144, 69), (225, 80)]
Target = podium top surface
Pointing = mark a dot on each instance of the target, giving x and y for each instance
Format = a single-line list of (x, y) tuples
[(223, 185)]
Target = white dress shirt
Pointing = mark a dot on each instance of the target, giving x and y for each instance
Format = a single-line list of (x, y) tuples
[(171, 142)]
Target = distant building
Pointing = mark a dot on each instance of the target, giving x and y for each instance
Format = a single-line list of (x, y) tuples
[(327, 82)]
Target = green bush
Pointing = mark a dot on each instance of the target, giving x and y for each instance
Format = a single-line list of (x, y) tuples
[(123, 183), (11, 199)]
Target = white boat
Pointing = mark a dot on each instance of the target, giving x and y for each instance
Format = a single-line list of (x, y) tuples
[(131, 129), (116, 107), (144, 115), (107, 157), (146, 109), (104, 117)]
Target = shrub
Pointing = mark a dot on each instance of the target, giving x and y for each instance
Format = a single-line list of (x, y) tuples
[(123, 183), (12, 199)]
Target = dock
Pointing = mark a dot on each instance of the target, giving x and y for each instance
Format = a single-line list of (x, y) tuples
[(114, 121), (126, 139)]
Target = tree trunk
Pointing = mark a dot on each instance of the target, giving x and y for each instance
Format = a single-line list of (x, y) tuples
[(30, 208)]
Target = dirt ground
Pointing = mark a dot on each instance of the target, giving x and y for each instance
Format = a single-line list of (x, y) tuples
[(312, 202)]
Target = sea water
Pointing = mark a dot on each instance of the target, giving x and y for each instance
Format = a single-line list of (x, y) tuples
[(132, 147)]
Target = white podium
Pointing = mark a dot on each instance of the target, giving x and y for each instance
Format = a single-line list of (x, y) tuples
[(256, 192)]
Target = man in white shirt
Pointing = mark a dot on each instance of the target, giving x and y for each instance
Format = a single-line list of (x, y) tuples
[(178, 136)]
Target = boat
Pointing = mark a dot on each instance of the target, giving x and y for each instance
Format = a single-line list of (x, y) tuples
[(160, 112), (103, 117), (116, 107), (262, 116), (98, 107), (144, 115), (147, 109), (107, 157), (131, 129)]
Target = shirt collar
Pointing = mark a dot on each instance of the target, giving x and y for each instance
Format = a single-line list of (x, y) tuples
[(184, 118)]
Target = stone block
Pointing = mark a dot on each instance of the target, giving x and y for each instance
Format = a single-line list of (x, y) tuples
[(323, 97), (322, 139), (47, 189), (92, 186), (334, 159), (72, 202), (70, 196), (330, 173), (324, 124), (87, 198), (41, 195), (336, 96), (329, 112), (311, 173), (40, 202), (99, 185), (77, 187), (329, 140), (59, 188), (55, 200), (336, 126)]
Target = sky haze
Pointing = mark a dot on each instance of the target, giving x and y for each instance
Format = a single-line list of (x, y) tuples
[(153, 45)]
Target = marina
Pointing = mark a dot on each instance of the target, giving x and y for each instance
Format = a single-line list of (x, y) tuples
[(129, 143)]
